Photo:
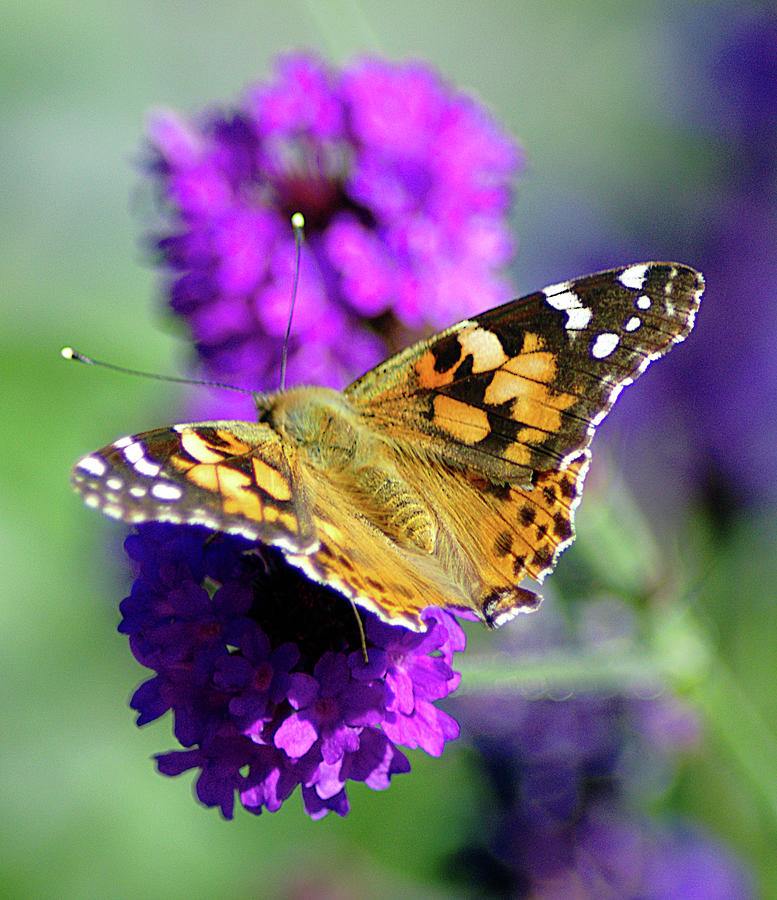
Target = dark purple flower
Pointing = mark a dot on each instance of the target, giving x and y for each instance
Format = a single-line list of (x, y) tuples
[(266, 677), (731, 372), (404, 184), (571, 780), (703, 426)]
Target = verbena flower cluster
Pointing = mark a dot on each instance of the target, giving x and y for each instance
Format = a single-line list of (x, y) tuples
[(266, 676), (404, 184)]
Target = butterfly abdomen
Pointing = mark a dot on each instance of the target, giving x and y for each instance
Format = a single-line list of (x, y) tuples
[(397, 509), (334, 439)]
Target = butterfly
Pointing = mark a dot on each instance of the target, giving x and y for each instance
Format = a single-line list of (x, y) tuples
[(443, 477)]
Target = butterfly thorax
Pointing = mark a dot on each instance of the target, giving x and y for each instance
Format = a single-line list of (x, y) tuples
[(322, 424), (330, 432)]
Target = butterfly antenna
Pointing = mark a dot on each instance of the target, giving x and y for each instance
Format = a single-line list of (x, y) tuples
[(298, 224), (70, 353)]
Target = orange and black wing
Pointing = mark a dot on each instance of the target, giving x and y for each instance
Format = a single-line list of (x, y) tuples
[(501, 408), (235, 477)]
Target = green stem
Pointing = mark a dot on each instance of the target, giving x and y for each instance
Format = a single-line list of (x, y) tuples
[(561, 673)]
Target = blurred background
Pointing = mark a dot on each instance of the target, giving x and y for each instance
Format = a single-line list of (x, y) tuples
[(650, 132)]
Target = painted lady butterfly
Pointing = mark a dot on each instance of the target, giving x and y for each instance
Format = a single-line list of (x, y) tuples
[(444, 476)]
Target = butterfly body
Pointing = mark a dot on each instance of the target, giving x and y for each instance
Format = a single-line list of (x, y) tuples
[(444, 476)]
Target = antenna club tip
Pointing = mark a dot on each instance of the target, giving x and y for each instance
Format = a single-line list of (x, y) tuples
[(297, 220), (67, 352)]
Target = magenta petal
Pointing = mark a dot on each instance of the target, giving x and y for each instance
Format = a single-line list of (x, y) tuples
[(178, 141), (303, 690), (328, 780), (402, 685), (317, 808), (295, 735)]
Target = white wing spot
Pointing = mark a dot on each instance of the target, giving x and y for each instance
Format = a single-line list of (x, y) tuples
[(561, 298), (164, 491), (144, 467), (633, 324), (92, 500), (644, 302), (133, 452), (115, 484), (634, 276), (135, 455), (604, 344), (123, 442), (137, 490), (559, 288), (114, 511), (93, 465)]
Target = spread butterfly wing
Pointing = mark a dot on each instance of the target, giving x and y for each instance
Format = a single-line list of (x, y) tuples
[(507, 403), (489, 538), (522, 387), (229, 476)]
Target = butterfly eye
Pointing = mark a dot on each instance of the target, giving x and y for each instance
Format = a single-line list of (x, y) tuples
[(264, 407)]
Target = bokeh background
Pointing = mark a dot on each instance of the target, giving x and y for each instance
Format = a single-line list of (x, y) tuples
[(650, 131)]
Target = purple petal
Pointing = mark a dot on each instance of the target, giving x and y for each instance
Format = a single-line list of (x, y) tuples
[(296, 736)]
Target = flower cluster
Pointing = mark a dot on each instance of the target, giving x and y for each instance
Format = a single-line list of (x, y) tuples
[(404, 184), (725, 219), (268, 693)]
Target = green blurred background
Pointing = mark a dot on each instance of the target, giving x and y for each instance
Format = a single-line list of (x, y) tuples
[(588, 90)]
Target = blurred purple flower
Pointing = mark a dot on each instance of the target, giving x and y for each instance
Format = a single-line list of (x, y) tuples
[(570, 782), (264, 673), (404, 184), (732, 370), (704, 425)]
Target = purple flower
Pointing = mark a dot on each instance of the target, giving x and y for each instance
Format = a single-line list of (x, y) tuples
[(730, 374), (718, 393), (266, 677), (404, 185), (570, 782)]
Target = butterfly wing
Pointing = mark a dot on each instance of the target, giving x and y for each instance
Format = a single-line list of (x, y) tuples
[(500, 410), (521, 388), (489, 538), (235, 477)]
